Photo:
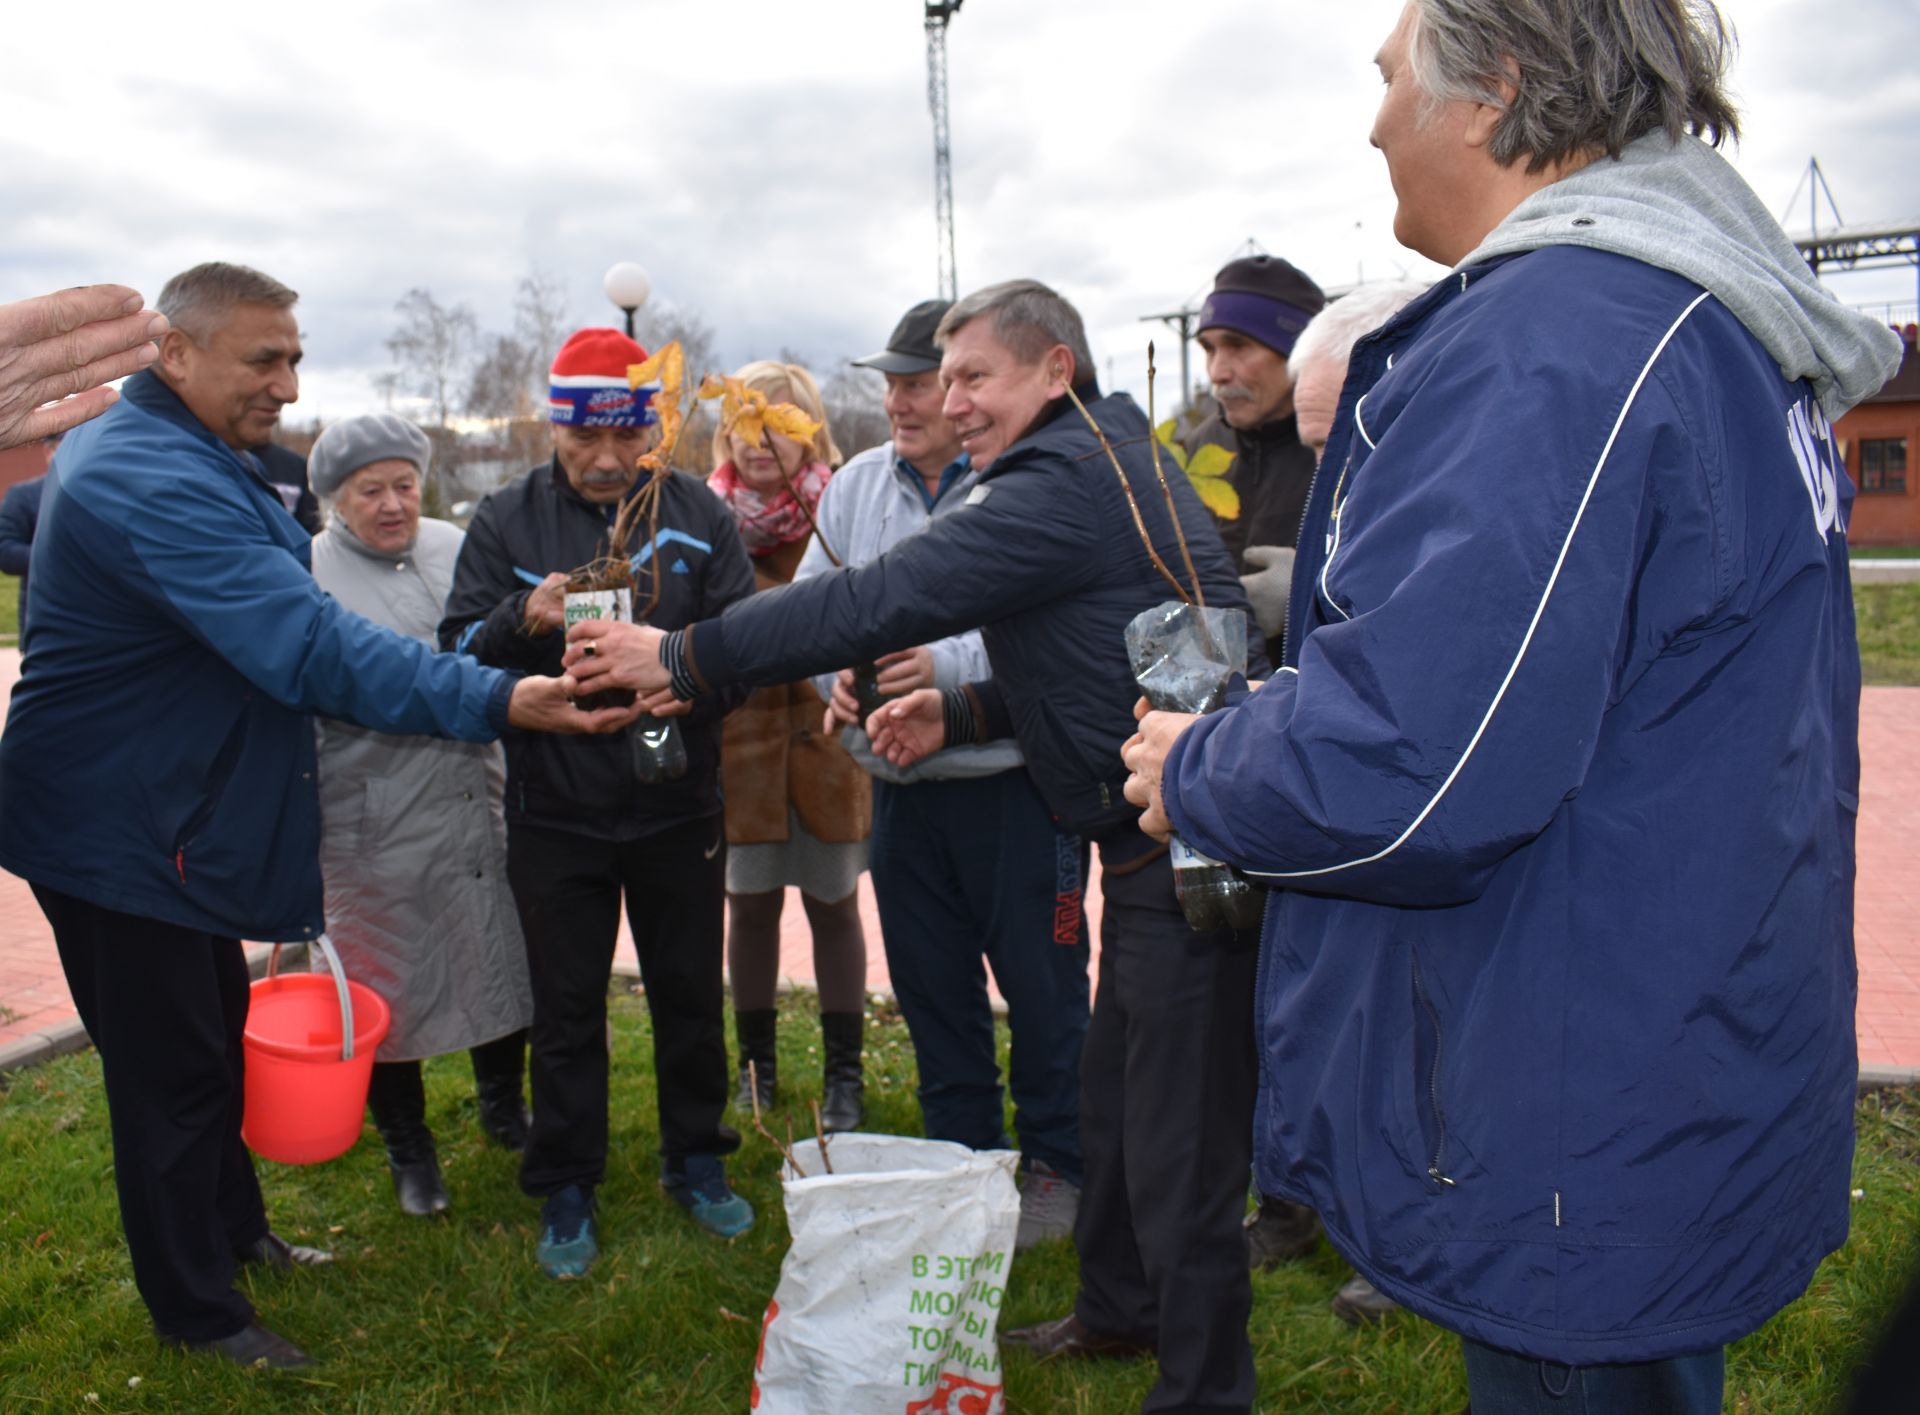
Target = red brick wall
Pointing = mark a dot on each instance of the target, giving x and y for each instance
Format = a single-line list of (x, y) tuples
[(18, 464), (1887, 518)]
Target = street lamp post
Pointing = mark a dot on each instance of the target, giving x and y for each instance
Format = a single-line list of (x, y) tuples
[(627, 286)]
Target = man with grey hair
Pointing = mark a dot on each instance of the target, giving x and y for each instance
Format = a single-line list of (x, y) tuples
[(157, 772), (1556, 788), (1042, 557)]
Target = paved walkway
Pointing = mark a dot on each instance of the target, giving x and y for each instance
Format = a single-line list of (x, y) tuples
[(36, 1016)]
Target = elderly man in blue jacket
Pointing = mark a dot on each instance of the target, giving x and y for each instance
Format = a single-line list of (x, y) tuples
[(1043, 557), (157, 773), (1557, 783)]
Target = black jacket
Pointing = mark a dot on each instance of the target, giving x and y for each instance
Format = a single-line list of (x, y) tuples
[(286, 472), (537, 524), (1043, 558), (1272, 470)]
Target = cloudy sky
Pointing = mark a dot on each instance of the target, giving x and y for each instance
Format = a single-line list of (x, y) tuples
[(770, 164)]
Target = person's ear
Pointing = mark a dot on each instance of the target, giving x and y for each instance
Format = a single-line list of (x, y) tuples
[(1060, 370), (1484, 119), (176, 351)]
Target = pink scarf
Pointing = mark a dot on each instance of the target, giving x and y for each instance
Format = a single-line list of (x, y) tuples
[(766, 523)]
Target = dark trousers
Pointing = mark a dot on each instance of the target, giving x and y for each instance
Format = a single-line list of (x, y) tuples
[(569, 889), (1503, 1383), (165, 1007), (397, 1094), (973, 867), (1166, 1119)]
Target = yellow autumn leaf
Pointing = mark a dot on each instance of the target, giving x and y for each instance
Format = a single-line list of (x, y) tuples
[(789, 421), (1164, 436), (1210, 460), (1218, 496)]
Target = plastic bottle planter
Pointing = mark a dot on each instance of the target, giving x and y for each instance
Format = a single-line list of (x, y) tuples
[(659, 752), (1213, 895), (616, 604), (1182, 658), (866, 690)]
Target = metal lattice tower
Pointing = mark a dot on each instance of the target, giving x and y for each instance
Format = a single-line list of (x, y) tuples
[(939, 12)]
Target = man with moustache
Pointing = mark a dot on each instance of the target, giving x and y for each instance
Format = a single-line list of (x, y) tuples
[(965, 859), (1247, 328), (586, 829)]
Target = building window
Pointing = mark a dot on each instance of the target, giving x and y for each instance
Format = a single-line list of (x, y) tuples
[(1883, 464)]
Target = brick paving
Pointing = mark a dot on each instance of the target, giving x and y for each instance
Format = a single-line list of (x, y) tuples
[(35, 1010)]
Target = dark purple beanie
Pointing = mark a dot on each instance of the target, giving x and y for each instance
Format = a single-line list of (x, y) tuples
[(1264, 298)]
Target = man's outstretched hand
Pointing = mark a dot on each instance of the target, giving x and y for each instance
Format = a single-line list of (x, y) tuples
[(907, 729), (605, 653), (59, 349), (545, 705)]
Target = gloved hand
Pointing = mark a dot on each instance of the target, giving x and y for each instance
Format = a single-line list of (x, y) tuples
[(1268, 586)]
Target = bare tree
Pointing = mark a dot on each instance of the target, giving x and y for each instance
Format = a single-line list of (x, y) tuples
[(432, 346), (665, 322), (503, 379), (540, 323), (855, 408)]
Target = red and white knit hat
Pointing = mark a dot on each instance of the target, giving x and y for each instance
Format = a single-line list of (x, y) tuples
[(589, 382)]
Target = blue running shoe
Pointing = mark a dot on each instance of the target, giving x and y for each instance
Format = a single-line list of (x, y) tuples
[(698, 1184), (568, 1243)]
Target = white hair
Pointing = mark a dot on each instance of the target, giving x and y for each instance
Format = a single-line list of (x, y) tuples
[(1331, 334)]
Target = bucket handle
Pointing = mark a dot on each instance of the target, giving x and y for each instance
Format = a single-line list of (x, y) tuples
[(325, 945)]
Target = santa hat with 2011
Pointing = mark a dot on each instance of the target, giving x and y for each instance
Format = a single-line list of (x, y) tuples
[(588, 385)]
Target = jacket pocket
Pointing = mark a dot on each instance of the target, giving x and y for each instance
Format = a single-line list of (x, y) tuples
[(214, 789), (1429, 1062)]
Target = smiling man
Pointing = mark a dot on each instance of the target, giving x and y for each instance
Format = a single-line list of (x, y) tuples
[(1042, 557), (1556, 790), (157, 773), (965, 859)]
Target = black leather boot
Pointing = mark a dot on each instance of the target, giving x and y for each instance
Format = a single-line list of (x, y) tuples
[(398, 1101), (844, 1105), (497, 1070), (757, 1029)]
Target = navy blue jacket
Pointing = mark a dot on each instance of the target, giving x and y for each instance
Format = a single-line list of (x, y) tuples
[(1558, 787), (159, 757), (1044, 559)]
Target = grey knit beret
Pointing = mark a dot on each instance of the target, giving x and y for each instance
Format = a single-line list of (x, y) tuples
[(353, 443)]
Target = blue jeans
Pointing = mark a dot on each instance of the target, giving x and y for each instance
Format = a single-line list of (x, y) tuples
[(1502, 1383)]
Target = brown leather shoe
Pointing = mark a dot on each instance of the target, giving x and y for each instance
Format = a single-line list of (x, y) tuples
[(1069, 1336)]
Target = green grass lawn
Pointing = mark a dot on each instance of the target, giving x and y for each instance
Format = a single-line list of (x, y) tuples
[(1888, 617), (453, 1315)]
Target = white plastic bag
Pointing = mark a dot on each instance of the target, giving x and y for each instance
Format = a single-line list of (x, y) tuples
[(890, 1296)]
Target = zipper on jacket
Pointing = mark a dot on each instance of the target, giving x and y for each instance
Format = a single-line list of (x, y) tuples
[(1436, 1171)]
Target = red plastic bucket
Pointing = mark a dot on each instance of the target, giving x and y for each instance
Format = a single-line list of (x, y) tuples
[(309, 1046)]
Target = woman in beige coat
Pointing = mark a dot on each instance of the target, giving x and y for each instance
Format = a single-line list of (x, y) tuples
[(414, 848)]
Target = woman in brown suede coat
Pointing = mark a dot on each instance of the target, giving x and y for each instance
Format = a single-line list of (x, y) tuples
[(798, 807)]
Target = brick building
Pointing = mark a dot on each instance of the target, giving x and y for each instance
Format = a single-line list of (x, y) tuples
[(1880, 440)]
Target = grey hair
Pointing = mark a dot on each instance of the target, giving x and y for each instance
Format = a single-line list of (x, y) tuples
[(1331, 334), (197, 301), (1028, 318), (1588, 75)]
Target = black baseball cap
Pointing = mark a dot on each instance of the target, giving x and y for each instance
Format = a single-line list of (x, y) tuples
[(910, 347)]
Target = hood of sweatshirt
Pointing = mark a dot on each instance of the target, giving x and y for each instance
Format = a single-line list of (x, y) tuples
[(1682, 207)]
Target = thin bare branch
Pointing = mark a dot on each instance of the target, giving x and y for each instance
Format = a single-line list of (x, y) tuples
[(753, 1089), (820, 1134), (1153, 450), (1139, 523)]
